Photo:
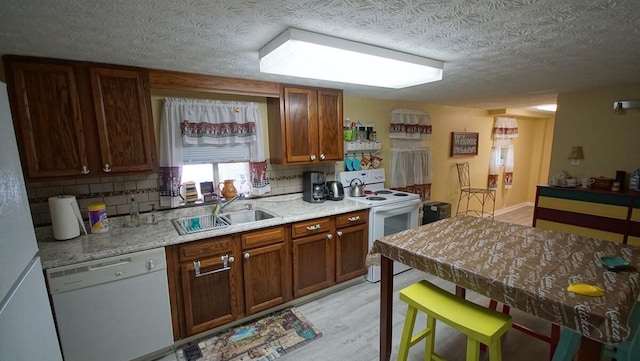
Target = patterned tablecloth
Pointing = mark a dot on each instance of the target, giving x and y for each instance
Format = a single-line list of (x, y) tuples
[(527, 268)]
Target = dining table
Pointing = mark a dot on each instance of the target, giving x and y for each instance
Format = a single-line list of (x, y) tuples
[(523, 267)]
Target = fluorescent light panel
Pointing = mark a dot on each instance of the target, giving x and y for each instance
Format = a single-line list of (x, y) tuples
[(310, 55), (547, 107)]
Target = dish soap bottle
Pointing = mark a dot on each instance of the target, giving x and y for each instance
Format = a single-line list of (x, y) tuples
[(134, 214)]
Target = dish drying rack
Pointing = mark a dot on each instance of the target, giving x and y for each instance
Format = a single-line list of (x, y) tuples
[(188, 225)]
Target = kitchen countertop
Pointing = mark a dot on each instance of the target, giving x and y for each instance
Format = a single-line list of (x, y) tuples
[(122, 240)]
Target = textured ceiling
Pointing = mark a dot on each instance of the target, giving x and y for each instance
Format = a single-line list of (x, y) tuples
[(497, 53)]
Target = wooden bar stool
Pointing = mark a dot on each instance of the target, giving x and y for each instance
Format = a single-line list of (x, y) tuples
[(479, 324), (626, 351)]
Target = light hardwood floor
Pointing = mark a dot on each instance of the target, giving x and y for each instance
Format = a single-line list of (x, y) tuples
[(349, 321)]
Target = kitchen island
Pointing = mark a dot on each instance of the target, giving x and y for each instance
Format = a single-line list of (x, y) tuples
[(121, 239)]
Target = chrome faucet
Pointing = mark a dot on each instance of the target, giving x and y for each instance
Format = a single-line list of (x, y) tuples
[(223, 206)]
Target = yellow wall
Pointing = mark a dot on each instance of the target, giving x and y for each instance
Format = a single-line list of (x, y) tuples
[(532, 147), (610, 141)]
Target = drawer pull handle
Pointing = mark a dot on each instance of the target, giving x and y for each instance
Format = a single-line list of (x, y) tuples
[(339, 233), (313, 228), (329, 236), (84, 170), (226, 260), (353, 219), (106, 168)]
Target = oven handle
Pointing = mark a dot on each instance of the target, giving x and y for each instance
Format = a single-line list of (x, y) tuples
[(410, 204)]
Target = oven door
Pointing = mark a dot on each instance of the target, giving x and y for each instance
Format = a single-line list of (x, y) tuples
[(390, 219)]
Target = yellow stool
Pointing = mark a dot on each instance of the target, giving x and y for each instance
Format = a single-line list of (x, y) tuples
[(481, 325)]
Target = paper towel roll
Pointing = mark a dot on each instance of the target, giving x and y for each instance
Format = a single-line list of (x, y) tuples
[(65, 217)]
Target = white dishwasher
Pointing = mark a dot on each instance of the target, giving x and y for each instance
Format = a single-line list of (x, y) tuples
[(112, 309)]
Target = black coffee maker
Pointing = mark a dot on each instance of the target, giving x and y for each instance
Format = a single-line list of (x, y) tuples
[(313, 187)]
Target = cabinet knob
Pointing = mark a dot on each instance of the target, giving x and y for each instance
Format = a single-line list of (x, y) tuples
[(84, 170), (322, 156), (106, 168), (313, 157), (329, 236), (339, 233), (246, 255)]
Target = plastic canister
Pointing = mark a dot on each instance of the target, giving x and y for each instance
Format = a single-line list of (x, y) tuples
[(98, 218)]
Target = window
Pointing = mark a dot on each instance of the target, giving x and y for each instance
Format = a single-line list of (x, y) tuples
[(216, 173)]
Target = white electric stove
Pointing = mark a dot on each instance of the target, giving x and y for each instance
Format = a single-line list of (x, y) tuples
[(391, 211)]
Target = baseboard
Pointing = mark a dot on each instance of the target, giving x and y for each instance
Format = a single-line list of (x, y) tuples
[(513, 208)]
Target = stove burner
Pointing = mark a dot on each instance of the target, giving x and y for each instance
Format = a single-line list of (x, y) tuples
[(384, 191), (376, 198), (400, 194)]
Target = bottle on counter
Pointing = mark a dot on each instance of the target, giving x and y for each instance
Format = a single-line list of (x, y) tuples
[(154, 214), (134, 214)]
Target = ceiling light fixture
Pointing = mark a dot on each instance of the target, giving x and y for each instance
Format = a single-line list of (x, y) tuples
[(547, 107), (621, 105), (305, 54)]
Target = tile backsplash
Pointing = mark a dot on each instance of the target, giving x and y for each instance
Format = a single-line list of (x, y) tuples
[(116, 192)]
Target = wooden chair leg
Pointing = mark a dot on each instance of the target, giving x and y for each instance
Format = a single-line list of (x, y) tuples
[(407, 334), (495, 351), (473, 350)]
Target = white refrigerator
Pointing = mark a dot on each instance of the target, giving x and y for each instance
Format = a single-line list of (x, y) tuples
[(27, 331)]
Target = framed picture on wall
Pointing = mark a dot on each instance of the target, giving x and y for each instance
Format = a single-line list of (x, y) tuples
[(464, 144)]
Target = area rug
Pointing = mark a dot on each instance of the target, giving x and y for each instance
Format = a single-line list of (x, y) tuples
[(264, 339)]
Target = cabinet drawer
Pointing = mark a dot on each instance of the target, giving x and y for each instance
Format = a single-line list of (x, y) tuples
[(351, 219), (205, 247), (263, 237), (313, 226)]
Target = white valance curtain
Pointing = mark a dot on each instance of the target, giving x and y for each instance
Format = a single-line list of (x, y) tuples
[(502, 153), (206, 131), (410, 124), (411, 170)]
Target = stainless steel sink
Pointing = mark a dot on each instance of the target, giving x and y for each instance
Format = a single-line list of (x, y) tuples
[(248, 215)]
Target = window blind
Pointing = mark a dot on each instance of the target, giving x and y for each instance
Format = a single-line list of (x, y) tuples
[(198, 154)]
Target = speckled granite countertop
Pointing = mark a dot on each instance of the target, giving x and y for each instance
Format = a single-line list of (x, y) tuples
[(122, 240)]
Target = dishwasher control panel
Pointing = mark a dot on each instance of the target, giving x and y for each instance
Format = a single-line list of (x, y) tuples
[(91, 273)]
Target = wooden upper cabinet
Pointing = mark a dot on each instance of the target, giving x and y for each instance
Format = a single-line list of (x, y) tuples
[(305, 125), (48, 121), (330, 135), (79, 119), (301, 124), (125, 129)]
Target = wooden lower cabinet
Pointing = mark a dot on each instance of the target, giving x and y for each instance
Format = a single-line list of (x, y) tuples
[(210, 296), (219, 280), (352, 245), (313, 266), (266, 269), (327, 251)]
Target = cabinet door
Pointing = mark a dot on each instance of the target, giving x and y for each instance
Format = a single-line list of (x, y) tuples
[(351, 252), (124, 126), (264, 271), (330, 141), (313, 264), (211, 298), (301, 124), (48, 119)]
